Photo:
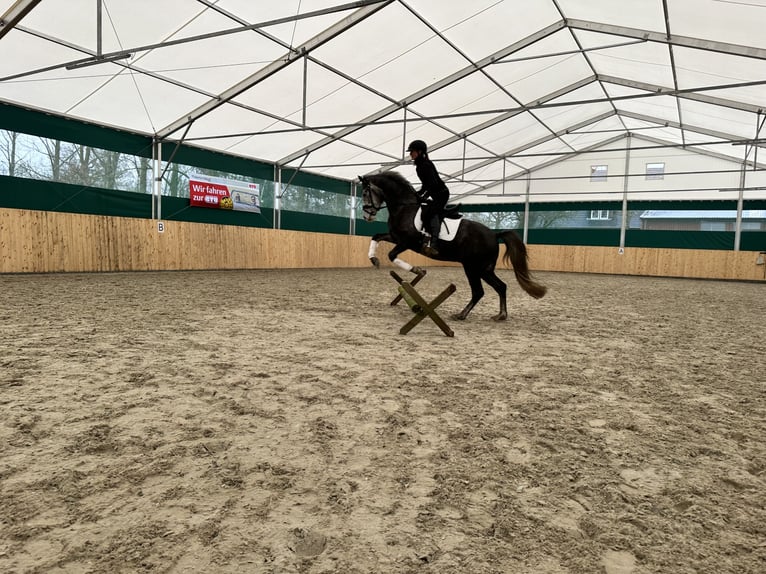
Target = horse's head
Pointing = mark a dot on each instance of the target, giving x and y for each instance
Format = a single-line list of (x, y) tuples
[(372, 198)]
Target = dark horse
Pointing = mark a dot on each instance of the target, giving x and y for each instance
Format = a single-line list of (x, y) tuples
[(475, 246)]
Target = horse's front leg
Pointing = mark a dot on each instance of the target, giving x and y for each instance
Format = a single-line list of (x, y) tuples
[(393, 256), (376, 239)]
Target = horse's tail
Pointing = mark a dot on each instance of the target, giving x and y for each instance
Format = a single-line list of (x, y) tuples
[(516, 255)]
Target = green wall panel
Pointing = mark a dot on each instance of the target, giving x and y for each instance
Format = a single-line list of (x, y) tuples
[(297, 221), (592, 237), (21, 193), (721, 240), (753, 241), (370, 228)]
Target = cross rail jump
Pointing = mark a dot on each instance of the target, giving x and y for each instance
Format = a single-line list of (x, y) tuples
[(420, 306)]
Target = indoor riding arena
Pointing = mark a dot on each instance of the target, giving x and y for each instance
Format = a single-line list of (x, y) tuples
[(210, 364)]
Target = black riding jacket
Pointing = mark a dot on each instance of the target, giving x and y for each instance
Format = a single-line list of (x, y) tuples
[(433, 186)]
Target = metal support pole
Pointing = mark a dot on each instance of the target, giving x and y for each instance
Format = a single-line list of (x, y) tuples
[(740, 202), (624, 223), (278, 200), (404, 133), (505, 163), (99, 29), (352, 215), (465, 145), (305, 84), (157, 180), (526, 207)]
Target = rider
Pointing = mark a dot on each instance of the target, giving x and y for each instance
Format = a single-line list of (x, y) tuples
[(434, 191)]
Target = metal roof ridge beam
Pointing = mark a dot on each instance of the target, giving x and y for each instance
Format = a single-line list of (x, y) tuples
[(663, 38), (702, 151), (318, 40), (545, 164), (506, 116), (687, 127), (546, 98), (482, 70), (428, 90), (15, 14), (724, 102), (508, 156)]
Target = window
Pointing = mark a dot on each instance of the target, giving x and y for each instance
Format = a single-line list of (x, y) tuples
[(598, 172), (655, 170), (600, 214)]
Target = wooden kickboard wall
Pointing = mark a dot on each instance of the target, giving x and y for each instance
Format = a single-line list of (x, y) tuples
[(44, 242)]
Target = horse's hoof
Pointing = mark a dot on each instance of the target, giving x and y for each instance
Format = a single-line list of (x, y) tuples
[(418, 271), (459, 317), (376, 262), (500, 317)]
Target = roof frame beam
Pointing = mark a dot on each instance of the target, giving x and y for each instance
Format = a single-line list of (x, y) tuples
[(481, 70), (665, 38), (585, 55), (297, 53), (654, 140), (673, 70), (508, 156), (691, 128), (548, 163), (501, 118), (98, 57), (166, 79), (15, 14), (701, 151), (652, 89), (698, 97), (428, 90)]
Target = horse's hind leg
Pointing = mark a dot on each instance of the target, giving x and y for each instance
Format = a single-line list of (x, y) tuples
[(477, 292), (498, 285)]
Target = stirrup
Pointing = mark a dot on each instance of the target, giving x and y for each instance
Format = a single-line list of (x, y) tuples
[(430, 249)]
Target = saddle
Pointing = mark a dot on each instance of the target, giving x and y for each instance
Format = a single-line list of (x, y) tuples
[(449, 222), (451, 211)]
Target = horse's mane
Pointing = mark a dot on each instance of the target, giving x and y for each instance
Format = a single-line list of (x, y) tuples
[(397, 178)]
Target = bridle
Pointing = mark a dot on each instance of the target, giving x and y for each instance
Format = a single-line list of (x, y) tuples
[(372, 208)]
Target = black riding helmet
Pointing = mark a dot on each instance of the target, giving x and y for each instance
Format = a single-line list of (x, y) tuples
[(418, 145)]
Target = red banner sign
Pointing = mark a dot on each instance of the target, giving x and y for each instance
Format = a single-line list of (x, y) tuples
[(206, 194), (218, 193)]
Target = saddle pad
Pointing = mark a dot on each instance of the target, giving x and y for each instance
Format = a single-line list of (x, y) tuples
[(448, 229)]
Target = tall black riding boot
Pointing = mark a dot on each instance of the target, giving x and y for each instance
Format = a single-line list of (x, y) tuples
[(431, 249)]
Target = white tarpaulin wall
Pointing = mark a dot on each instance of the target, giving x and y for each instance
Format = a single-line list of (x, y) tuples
[(496, 88)]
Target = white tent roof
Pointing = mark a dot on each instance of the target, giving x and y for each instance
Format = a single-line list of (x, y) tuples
[(496, 88)]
